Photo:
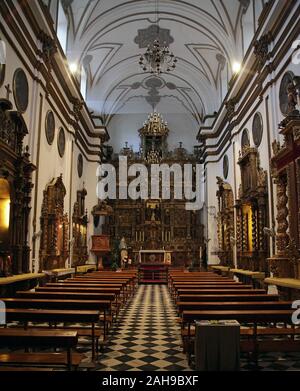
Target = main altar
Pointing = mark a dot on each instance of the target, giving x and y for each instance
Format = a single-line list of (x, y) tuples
[(156, 230), (153, 266), (155, 257)]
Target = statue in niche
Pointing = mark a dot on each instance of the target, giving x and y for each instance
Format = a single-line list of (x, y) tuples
[(123, 251), (292, 99), (157, 213)]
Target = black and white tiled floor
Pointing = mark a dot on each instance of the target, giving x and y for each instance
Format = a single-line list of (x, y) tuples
[(146, 336)]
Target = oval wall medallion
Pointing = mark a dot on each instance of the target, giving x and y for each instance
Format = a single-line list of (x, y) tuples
[(225, 166), (257, 129), (20, 90), (61, 142), (50, 127), (283, 95), (80, 165)]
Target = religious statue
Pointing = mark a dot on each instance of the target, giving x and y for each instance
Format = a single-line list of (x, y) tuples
[(123, 251), (292, 99)]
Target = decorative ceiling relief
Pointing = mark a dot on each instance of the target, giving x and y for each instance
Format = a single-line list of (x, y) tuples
[(108, 38), (146, 36)]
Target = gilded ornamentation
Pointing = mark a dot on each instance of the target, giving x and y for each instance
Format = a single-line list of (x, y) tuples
[(282, 238), (54, 248), (77, 107), (230, 106), (49, 48), (294, 256), (261, 49)]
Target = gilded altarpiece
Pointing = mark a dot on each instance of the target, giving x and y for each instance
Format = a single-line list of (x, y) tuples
[(157, 224), (54, 247), (225, 219), (252, 213), (79, 253), (15, 192), (285, 165)]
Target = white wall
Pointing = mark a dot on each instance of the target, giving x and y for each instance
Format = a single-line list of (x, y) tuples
[(125, 127)]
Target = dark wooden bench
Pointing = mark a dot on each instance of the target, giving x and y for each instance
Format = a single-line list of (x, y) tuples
[(33, 338), (228, 291), (225, 297), (73, 289), (61, 295), (104, 306), (52, 316), (249, 305), (50, 359)]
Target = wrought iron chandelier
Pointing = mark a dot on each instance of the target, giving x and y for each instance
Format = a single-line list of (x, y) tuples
[(158, 59)]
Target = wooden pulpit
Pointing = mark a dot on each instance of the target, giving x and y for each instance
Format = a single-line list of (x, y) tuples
[(100, 247)]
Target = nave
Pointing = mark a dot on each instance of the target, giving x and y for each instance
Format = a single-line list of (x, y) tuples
[(147, 327), (146, 336)]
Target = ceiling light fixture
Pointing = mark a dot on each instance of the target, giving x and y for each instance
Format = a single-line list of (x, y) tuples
[(236, 67), (157, 59), (73, 67)]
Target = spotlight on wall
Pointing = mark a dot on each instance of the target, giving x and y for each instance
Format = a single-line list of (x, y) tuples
[(236, 67), (73, 67)]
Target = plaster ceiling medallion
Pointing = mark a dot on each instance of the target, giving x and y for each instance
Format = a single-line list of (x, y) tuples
[(147, 36)]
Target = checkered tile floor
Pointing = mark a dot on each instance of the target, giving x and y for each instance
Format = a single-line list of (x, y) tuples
[(146, 337)]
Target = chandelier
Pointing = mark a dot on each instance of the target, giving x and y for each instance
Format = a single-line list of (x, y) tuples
[(155, 126), (158, 59)]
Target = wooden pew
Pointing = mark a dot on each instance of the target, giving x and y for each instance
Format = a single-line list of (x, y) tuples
[(230, 298), (52, 316), (238, 305), (215, 286), (62, 295), (104, 306), (125, 290), (32, 338), (197, 291)]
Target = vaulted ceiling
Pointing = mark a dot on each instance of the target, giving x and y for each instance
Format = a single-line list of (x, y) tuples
[(108, 36)]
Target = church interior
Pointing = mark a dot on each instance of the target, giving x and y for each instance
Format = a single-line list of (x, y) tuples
[(149, 185)]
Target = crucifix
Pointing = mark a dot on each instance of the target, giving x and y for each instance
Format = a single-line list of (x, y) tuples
[(8, 91)]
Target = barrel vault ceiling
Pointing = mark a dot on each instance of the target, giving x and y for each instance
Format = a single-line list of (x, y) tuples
[(108, 36)]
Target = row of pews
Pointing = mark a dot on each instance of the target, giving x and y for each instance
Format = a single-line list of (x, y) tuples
[(54, 316), (266, 321)]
